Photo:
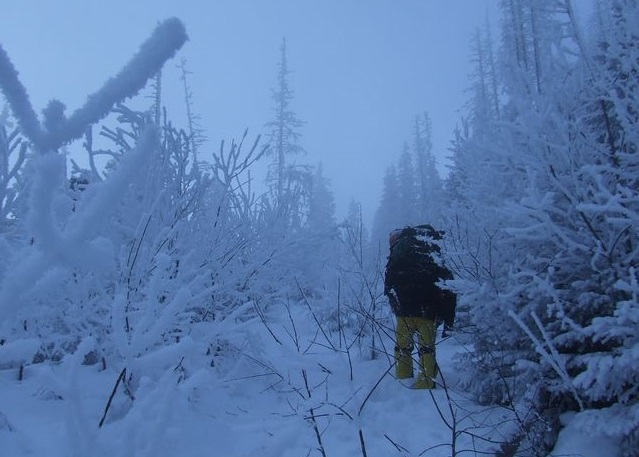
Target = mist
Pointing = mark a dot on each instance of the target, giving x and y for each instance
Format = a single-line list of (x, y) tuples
[(361, 71), (319, 228)]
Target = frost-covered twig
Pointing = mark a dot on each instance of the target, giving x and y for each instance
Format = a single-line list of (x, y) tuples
[(342, 333), (294, 336), (262, 317), (319, 325), (379, 381), (120, 379), (313, 419)]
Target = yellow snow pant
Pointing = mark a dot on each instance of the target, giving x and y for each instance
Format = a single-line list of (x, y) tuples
[(425, 329)]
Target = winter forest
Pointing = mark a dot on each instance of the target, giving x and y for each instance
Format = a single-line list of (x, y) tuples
[(155, 300)]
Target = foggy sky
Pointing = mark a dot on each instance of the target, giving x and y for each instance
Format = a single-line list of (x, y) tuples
[(363, 69)]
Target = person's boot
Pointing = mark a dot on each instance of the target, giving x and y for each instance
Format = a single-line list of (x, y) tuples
[(404, 362), (428, 369)]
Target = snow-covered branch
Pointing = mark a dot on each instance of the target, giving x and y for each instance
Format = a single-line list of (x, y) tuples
[(166, 40)]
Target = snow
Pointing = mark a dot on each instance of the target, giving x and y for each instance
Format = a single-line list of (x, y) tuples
[(17, 352), (126, 330), (252, 401), (576, 441)]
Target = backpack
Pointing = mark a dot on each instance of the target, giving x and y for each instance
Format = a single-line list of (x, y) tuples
[(412, 274), (411, 256)]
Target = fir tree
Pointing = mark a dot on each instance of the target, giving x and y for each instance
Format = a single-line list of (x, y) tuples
[(388, 214), (429, 183), (288, 182), (407, 188), (321, 210)]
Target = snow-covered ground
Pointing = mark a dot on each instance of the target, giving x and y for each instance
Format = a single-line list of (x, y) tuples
[(280, 391)]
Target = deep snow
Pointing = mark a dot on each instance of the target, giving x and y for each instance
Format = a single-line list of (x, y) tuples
[(253, 401)]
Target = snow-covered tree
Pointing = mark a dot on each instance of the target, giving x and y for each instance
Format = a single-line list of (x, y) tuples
[(413, 190), (429, 183), (551, 186), (407, 188), (321, 210), (289, 182), (388, 214)]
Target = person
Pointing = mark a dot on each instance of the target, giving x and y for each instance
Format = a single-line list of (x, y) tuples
[(412, 285)]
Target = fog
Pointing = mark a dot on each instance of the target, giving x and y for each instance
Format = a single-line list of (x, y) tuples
[(156, 308), (362, 70)]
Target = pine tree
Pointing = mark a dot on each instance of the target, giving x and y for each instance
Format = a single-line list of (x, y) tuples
[(321, 211), (407, 188), (356, 237), (429, 183), (389, 213), (287, 181)]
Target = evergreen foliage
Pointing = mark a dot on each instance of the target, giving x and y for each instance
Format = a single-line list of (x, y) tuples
[(539, 209), (413, 189), (289, 182), (543, 219)]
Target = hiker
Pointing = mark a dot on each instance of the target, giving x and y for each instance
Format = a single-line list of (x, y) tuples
[(413, 272)]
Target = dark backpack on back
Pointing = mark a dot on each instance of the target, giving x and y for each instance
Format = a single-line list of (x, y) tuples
[(411, 257), (413, 273)]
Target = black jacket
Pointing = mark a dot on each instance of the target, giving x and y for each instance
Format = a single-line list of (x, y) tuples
[(411, 277)]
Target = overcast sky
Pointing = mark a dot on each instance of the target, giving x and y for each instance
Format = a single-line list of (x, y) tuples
[(363, 69)]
